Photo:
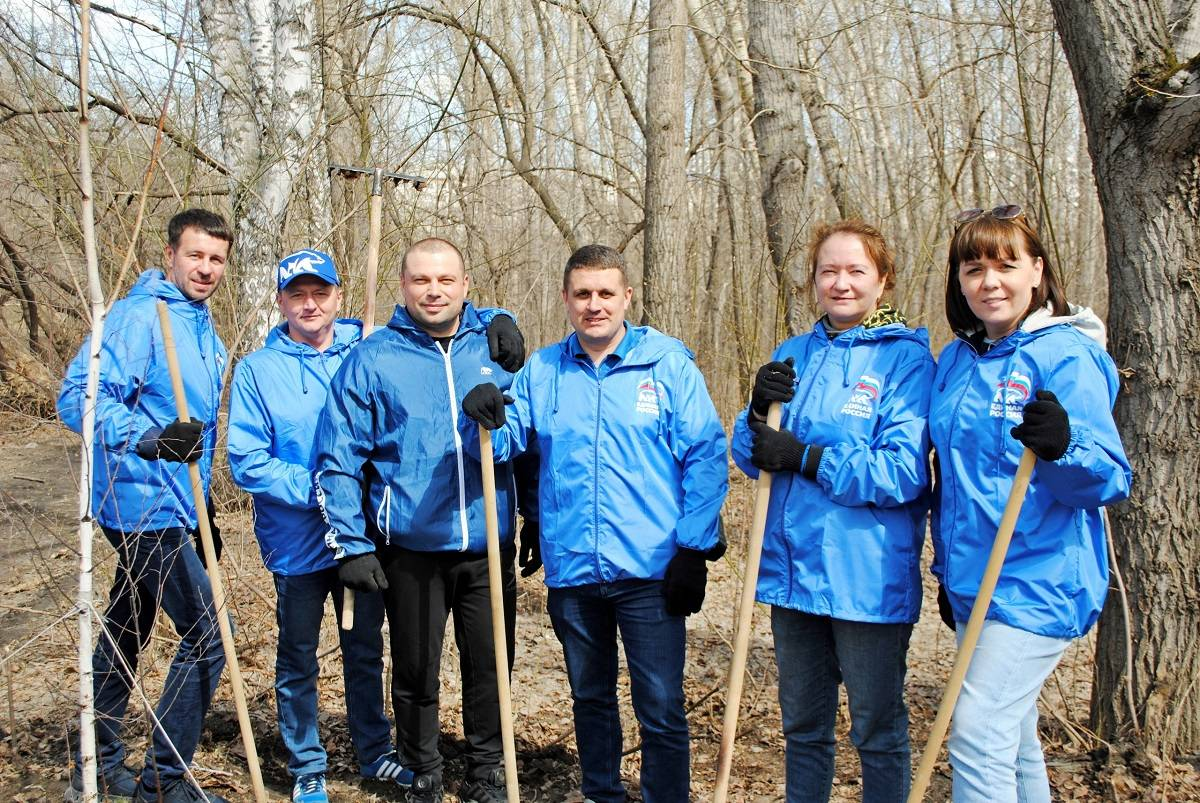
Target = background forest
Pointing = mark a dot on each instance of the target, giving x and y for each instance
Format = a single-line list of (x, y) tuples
[(704, 138)]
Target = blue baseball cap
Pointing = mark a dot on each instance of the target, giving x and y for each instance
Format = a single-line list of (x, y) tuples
[(306, 263)]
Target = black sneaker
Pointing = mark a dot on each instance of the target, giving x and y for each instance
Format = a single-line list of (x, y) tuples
[(118, 785), (489, 789), (180, 791), (425, 789)]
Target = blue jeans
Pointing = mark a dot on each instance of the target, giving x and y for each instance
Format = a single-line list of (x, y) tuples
[(994, 747), (586, 620), (156, 569), (815, 654), (300, 609)]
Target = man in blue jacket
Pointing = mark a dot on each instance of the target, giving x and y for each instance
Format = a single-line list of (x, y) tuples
[(404, 505), (143, 501), (277, 394), (632, 477)]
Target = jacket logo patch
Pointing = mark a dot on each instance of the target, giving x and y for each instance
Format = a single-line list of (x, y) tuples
[(864, 397), (485, 370), (648, 394), (1011, 394)]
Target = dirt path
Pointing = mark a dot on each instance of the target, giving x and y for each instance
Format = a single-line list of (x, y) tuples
[(37, 574)]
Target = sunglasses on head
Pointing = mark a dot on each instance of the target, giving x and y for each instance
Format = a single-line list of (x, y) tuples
[(1002, 212)]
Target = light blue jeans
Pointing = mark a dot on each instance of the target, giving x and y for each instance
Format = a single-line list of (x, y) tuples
[(994, 747)]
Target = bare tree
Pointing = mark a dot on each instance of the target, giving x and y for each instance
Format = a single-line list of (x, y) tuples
[(1137, 72)]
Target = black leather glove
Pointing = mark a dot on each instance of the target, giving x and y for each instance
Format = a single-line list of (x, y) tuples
[(1045, 428), (362, 573), (506, 344), (944, 609), (484, 404), (774, 382), (683, 584), (530, 559), (179, 442), (218, 545)]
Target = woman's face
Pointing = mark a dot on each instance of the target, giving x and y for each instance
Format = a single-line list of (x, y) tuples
[(999, 291), (847, 281)]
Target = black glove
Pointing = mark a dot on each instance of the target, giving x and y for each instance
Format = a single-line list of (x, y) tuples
[(216, 535), (1045, 428), (944, 609), (774, 382), (775, 450), (179, 442), (506, 345), (683, 585), (362, 573), (531, 548), (484, 404)]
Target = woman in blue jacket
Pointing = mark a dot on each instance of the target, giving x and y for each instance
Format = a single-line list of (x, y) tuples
[(1023, 357), (840, 561)]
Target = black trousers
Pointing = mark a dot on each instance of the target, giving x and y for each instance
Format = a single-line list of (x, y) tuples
[(423, 588)]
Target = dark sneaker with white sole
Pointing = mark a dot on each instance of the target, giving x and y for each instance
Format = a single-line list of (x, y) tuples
[(179, 791), (118, 785), (489, 789)]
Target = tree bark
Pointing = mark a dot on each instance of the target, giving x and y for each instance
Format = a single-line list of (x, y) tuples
[(781, 141), (1138, 91), (666, 169)]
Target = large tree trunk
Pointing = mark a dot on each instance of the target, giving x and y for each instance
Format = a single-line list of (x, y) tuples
[(782, 144), (263, 62), (666, 169), (1138, 91)]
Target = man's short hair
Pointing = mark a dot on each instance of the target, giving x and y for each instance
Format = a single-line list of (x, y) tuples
[(208, 222), (595, 257), (431, 245)]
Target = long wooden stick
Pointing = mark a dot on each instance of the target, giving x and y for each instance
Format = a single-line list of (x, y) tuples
[(214, 568), (376, 224), (499, 639), (987, 587), (741, 645)]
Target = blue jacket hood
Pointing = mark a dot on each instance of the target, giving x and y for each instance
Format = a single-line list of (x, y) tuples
[(1055, 577), (847, 544)]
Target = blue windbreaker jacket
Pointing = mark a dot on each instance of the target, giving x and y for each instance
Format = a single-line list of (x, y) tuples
[(276, 396), (633, 457), (391, 423), (135, 398), (848, 545), (1055, 577)]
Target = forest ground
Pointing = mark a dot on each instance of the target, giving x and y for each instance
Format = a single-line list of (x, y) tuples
[(38, 571)]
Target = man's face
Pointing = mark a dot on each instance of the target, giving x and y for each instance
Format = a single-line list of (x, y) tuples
[(197, 264), (434, 285), (596, 302), (310, 305)]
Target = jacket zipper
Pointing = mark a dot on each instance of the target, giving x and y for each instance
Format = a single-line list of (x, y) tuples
[(458, 450), (787, 543), (596, 477), (950, 440)]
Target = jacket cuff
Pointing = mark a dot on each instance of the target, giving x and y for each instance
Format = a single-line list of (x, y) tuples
[(1081, 440), (810, 461)]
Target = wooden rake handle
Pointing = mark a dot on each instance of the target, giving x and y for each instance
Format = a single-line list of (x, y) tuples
[(741, 645), (983, 600), (499, 640), (213, 567)]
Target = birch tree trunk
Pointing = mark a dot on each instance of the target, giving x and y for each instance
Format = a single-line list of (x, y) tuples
[(1138, 80), (262, 57), (666, 169)]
